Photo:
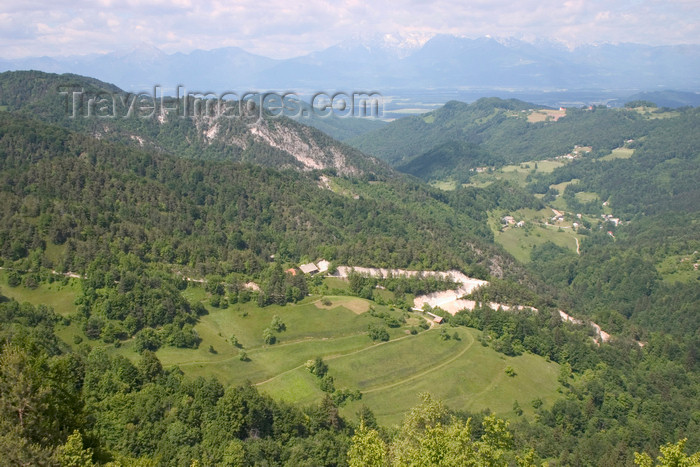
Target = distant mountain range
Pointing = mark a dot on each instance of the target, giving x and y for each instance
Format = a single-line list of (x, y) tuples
[(443, 62)]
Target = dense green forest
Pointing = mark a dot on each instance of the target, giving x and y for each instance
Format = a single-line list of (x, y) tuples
[(137, 225), (492, 132), (65, 188), (197, 127), (661, 177), (451, 160)]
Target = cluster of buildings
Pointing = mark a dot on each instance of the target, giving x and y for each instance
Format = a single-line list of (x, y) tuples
[(314, 268), (578, 151), (609, 218), (510, 220)]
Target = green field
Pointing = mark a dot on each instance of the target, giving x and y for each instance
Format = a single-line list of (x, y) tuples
[(654, 113), (562, 186), (461, 372), (445, 185), (619, 153), (519, 241), (544, 166), (516, 173), (61, 297), (586, 196), (390, 374), (472, 378), (680, 268)]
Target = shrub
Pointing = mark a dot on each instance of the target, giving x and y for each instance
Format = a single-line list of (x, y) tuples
[(268, 336), (317, 367), (93, 327), (277, 324), (377, 333), (341, 396), (327, 384), (147, 339), (31, 281), (14, 279)]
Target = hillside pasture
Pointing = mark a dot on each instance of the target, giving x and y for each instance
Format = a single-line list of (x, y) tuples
[(390, 374), (618, 153), (58, 295), (516, 173), (519, 241), (467, 376), (544, 115)]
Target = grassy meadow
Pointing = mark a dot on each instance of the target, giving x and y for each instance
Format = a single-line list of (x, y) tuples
[(60, 294), (390, 375), (538, 229)]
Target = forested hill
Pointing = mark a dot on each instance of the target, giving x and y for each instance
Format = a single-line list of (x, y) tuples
[(196, 127), (454, 160), (639, 165), (70, 189), (134, 222), (660, 176), (508, 130)]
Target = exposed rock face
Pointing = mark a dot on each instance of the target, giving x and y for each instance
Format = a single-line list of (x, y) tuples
[(296, 146), (299, 142), (201, 128)]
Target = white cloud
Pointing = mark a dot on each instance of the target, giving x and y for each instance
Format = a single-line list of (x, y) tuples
[(282, 29)]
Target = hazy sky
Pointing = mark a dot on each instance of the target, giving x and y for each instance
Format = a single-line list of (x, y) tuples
[(282, 29)]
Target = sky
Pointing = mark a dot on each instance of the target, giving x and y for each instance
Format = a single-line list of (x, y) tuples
[(284, 28)]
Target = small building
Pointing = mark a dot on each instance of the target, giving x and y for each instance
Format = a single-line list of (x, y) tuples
[(309, 268), (323, 265), (508, 220), (436, 319), (609, 218), (521, 224), (291, 271)]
